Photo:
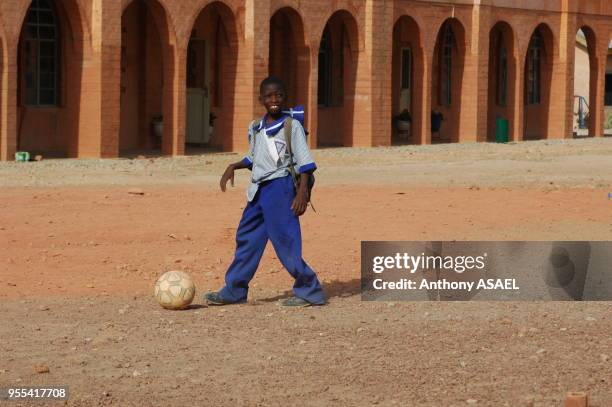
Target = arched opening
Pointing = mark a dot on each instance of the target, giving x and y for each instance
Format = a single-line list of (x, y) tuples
[(145, 47), (289, 57), (49, 62), (407, 69), (338, 56), (538, 74), (585, 83), (211, 77), (447, 82), (502, 75)]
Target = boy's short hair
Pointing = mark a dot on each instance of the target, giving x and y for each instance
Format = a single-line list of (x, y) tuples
[(272, 80)]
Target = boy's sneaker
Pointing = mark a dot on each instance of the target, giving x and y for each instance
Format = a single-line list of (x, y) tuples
[(213, 298), (294, 302)]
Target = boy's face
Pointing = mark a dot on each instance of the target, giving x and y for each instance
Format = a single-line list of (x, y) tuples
[(273, 98)]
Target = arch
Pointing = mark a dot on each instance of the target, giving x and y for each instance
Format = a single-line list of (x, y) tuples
[(585, 83), (537, 83), (502, 76), (347, 16), (337, 80), (146, 39), (211, 76), (447, 81), (407, 67), (51, 52), (289, 57)]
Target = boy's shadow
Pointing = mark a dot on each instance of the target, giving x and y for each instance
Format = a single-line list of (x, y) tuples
[(335, 288)]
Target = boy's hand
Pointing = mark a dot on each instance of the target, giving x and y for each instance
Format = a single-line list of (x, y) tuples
[(300, 203), (227, 175)]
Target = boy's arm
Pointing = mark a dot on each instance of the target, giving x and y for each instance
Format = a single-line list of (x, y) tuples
[(305, 166), (246, 162)]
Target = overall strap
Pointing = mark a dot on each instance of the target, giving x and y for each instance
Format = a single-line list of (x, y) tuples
[(288, 127)]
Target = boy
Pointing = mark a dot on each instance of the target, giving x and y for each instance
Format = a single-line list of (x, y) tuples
[(273, 205)]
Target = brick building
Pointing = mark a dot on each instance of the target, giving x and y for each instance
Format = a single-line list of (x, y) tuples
[(97, 78)]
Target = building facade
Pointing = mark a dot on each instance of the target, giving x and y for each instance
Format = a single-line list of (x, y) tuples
[(100, 78)]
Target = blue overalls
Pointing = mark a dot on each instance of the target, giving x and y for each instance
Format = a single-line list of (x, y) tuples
[(269, 216)]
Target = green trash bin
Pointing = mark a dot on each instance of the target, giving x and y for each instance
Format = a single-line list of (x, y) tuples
[(22, 156), (501, 130)]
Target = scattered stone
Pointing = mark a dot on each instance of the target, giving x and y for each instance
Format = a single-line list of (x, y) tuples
[(141, 157), (40, 369), (105, 394), (576, 399), (360, 329), (590, 319), (172, 235), (38, 158), (471, 401), (540, 351), (604, 357), (44, 308), (136, 191), (136, 373)]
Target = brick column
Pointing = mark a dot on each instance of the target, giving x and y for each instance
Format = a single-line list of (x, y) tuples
[(8, 102), (473, 114), (561, 99), (422, 90), (174, 100), (251, 68), (99, 106), (518, 103), (312, 107), (376, 96)]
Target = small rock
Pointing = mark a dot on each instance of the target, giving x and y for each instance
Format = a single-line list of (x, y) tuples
[(540, 351), (38, 158), (105, 394), (360, 329), (136, 373), (41, 369), (604, 357), (302, 342), (590, 319), (136, 191), (44, 308), (471, 401)]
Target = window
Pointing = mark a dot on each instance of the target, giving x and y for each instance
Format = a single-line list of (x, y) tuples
[(40, 55), (406, 68), (446, 65), (608, 95), (502, 73), (534, 62), (325, 70)]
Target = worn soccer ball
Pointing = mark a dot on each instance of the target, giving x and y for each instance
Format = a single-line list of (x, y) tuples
[(174, 290)]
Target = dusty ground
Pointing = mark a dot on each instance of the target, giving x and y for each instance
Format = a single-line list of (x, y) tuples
[(79, 255)]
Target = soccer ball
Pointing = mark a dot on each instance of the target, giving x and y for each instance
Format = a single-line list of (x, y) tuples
[(174, 290)]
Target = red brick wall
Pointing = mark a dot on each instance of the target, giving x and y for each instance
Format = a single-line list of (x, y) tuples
[(89, 122)]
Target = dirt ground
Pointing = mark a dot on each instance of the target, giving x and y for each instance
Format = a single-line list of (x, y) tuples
[(79, 255)]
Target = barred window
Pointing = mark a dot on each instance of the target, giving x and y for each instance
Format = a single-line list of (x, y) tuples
[(502, 73), (325, 70), (534, 69), (446, 65), (41, 54)]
